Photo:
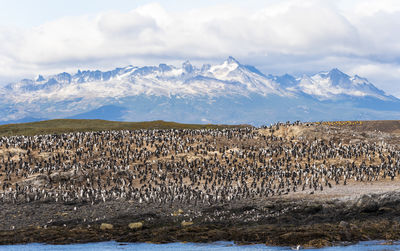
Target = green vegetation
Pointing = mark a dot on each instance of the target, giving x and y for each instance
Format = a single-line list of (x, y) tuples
[(59, 126)]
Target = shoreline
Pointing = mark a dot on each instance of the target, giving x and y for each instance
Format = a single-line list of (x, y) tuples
[(226, 245), (277, 222)]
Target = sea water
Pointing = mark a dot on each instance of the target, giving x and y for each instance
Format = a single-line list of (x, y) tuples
[(217, 246)]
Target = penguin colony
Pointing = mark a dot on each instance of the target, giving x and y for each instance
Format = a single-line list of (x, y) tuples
[(184, 166)]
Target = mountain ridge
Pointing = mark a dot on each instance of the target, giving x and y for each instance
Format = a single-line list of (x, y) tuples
[(187, 94)]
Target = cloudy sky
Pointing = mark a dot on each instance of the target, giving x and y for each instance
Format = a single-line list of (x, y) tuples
[(277, 36)]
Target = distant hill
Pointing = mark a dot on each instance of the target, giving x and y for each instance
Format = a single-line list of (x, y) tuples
[(227, 93), (59, 126)]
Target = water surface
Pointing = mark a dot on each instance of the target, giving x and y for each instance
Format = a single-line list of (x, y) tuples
[(217, 246)]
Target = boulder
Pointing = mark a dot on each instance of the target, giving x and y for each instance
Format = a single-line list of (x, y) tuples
[(186, 223), (106, 226), (135, 225)]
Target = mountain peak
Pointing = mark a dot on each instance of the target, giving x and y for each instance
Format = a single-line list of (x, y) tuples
[(286, 80), (232, 60), (187, 66), (40, 78), (164, 67), (336, 73)]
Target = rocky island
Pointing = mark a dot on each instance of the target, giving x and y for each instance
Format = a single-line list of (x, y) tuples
[(288, 184)]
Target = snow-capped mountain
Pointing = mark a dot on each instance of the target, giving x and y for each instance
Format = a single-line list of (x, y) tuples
[(224, 93), (328, 85)]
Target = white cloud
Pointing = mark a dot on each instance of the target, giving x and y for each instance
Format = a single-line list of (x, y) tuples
[(371, 7), (281, 36)]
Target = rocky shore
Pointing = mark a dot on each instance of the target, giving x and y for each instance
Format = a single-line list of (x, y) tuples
[(288, 184), (310, 222)]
